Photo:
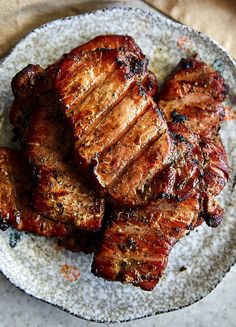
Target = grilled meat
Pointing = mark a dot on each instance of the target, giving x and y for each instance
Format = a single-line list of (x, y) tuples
[(102, 94), (108, 42), (99, 42), (15, 210), (90, 85), (58, 192), (216, 168), (136, 242), (150, 85), (24, 86), (14, 199), (216, 175), (165, 169), (194, 93)]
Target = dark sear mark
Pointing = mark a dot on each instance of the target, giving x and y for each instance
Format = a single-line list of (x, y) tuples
[(177, 117)]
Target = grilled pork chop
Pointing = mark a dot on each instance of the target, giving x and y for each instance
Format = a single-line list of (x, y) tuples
[(58, 192), (121, 138), (193, 94), (25, 83), (15, 210), (14, 199), (137, 242)]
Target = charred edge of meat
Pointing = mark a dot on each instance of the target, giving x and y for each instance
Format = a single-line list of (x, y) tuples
[(168, 196), (212, 213), (193, 63), (177, 117), (150, 85), (135, 64), (187, 63), (24, 85), (214, 220), (180, 138), (24, 82)]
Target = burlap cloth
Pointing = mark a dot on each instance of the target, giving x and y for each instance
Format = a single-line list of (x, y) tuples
[(216, 18)]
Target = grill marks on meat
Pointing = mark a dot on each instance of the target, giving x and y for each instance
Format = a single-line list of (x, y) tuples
[(102, 83), (59, 191), (132, 186), (136, 244), (129, 147), (167, 173), (202, 116), (113, 126), (216, 174), (195, 90), (193, 93), (216, 170), (77, 77), (187, 162), (14, 195), (104, 110)]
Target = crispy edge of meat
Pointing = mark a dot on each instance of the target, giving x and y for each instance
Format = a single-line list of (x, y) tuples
[(55, 179), (14, 207), (194, 77), (24, 87), (136, 243), (203, 79)]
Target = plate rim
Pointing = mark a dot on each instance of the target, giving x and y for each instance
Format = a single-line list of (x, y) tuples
[(166, 21)]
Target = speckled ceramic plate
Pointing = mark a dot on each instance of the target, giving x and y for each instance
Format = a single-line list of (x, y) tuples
[(199, 261)]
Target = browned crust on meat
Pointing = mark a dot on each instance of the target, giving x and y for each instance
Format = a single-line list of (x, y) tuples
[(136, 243), (195, 91), (14, 199), (24, 88), (99, 95), (193, 95), (59, 192)]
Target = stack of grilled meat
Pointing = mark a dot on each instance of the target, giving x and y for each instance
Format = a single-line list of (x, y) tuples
[(108, 165)]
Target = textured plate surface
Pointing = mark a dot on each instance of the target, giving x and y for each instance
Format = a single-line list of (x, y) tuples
[(39, 266)]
